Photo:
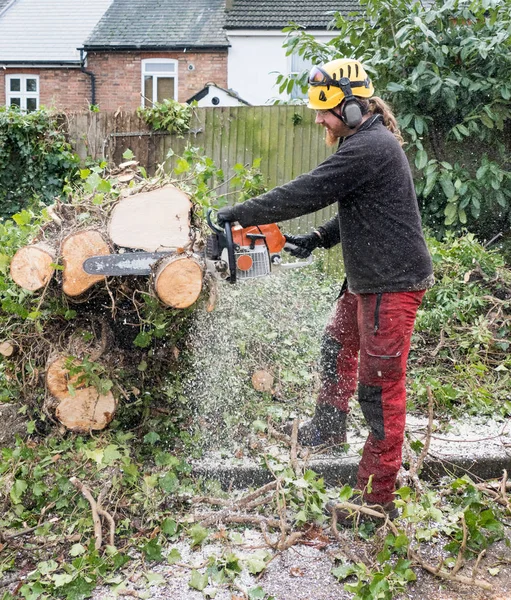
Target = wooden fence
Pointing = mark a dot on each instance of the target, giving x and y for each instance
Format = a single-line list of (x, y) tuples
[(285, 138)]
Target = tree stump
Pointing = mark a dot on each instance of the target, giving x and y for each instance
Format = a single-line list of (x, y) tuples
[(80, 410), (178, 281), (75, 249), (32, 266)]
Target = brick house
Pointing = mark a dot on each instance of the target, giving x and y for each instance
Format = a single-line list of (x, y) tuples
[(40, 64), (122, 54), (147, 50)]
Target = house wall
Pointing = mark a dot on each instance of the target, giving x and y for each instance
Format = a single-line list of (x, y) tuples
[(119, 75), (64, 89), (255, 60)]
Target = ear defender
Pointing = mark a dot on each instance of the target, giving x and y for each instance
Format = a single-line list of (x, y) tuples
[(351, 113)]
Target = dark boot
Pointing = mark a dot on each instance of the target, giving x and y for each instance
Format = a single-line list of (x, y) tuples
[(327, 426)]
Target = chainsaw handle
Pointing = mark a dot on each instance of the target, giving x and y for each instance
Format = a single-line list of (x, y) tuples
[(213, 226)]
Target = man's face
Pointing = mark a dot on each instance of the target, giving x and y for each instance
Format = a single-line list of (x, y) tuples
[(334, 127)]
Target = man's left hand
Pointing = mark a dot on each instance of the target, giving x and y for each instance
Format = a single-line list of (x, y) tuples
[(225, 215)]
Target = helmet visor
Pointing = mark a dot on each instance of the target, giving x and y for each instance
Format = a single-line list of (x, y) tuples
[(319, 77)]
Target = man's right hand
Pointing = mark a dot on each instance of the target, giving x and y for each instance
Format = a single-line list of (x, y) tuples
[(225, 215), (302, 245)]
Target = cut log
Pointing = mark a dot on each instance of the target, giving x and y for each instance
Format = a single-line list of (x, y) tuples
[(75, 249), (178, 281), (262, 381), (6, 349), (58, 379), (31, 266), (86, 410), (152, 221)]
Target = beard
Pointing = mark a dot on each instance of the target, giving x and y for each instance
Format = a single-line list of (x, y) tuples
[(330, 138)]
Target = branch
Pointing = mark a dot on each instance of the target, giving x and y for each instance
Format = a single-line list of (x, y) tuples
[(95, 516)]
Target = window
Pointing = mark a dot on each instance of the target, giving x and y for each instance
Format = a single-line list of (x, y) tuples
[(22, 91), (159, 80), (298, 65)]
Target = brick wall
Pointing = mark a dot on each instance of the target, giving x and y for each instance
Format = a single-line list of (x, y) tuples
[(64, 89), (119, 75), (119, 79)]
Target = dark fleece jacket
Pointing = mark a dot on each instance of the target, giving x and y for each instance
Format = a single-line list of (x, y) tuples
[(378, 222)]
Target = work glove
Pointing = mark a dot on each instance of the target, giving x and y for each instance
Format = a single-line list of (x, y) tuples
[(225, 215), (303, 245)]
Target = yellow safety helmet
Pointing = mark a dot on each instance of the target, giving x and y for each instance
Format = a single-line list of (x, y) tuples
[(326, 89)]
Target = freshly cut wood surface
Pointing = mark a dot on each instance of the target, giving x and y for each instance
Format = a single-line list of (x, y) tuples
[(58, 379), (6, 349), (86, 410), (178, 281), (31, 266), (152, 221), (75, 249)]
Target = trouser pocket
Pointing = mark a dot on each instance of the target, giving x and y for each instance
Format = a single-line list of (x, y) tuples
[(370, 399)]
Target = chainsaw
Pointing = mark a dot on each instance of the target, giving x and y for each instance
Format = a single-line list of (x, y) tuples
[(232, 253)]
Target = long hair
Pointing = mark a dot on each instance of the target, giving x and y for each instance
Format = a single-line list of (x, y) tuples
[(377, 106)]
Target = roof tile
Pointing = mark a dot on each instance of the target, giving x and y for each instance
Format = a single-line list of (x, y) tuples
[(276, 14), (161, 23)]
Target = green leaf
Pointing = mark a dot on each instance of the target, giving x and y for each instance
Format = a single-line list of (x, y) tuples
[(174, 556), (169, 482), (77, 550), (169, 527), (151, 438), (256, 593), (152, 550), (17, 490), (128, 155), (421, 159), (198, 534), (198, 581)]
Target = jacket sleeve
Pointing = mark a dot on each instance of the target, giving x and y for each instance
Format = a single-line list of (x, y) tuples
[(319, 188), (330, 232)]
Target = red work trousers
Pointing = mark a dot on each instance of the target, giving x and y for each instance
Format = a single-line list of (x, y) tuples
[(368, 340)]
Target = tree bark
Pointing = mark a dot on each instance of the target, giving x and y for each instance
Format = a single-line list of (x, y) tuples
[(31, 266)]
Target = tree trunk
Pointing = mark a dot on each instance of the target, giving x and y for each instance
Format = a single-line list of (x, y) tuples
[(178, 281), (32, 266), (152, 221), (75, 249)]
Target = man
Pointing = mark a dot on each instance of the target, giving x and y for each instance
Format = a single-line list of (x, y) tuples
[(387, 265)]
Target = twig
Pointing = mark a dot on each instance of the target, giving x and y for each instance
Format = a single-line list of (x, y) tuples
[(476, 566), (481, 583), (278, 435), (111, 523), (429, 430), (293, 455), (95, 516), (227, 516), (463, 547), (366, 510)]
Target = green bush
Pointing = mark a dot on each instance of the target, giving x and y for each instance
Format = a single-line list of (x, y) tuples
[(35, 159)]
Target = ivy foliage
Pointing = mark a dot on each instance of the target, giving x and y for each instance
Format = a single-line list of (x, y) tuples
[(35, 158), (446, 71), (169, 115)]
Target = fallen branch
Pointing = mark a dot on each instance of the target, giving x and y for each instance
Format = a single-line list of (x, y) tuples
[(102, 512), (95, 516), (481, 583), (463, 547)]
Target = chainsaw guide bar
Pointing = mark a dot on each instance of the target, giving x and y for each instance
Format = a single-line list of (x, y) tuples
[(128, 263)]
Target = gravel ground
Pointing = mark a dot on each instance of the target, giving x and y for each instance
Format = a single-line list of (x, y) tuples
[(304, 573)]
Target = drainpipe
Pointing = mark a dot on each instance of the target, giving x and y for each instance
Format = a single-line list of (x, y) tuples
[(92, 78)]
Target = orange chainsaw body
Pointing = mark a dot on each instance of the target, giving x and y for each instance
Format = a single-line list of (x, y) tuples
[(274, 238)]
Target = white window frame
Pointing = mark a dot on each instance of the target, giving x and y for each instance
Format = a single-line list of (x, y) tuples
[(22, 94), (294, 95), (172, 72)]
